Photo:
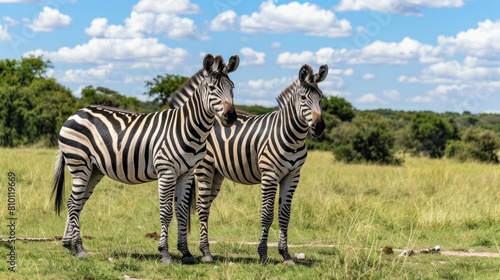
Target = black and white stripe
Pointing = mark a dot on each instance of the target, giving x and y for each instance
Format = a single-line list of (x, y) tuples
[(135, 148), (268, 149)]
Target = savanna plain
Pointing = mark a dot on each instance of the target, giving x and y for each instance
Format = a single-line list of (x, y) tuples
[(342, 218)]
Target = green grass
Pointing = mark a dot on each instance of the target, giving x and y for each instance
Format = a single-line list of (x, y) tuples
[(355, 209)]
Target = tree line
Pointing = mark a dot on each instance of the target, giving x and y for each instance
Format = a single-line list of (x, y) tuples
[(33, 108)]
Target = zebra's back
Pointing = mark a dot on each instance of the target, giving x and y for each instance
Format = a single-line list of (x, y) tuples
[(117, 142)]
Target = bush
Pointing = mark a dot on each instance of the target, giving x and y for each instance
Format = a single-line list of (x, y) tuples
[(430, 132), (475, 144), (368, 138)]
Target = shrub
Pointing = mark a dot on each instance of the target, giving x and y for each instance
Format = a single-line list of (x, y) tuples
[(475, 144), (368, 138)]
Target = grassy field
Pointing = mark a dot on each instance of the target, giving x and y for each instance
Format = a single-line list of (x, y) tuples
[(342, 216)]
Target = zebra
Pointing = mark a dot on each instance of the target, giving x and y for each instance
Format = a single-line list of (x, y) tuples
[(134, 148), (268, 149)]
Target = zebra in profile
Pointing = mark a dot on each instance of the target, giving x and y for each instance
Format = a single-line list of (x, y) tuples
[(268, 149), (135, 148)]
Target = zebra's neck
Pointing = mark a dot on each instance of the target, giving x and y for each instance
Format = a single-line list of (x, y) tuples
[(291, 124), (182, 95), (196, 115)]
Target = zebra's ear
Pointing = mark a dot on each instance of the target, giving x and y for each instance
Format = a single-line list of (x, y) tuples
[(322, 73), (208, 61), (304, 71), (232, 64)]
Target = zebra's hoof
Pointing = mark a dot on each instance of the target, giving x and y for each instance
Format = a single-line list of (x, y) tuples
[(207, 258), (264, 260), (288, 262), (189, 260), (82, 254), (167, 260)]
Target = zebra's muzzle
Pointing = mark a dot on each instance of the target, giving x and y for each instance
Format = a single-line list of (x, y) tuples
[(229, 118), (318, 128)]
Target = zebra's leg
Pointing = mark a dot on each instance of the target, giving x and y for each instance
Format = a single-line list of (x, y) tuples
[(166, 188), (182, 196), (268, 190), (83, 187), (209, 187), (287, 189)]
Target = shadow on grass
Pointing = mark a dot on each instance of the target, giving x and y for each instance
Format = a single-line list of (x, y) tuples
[(217, 259), (138, 256)]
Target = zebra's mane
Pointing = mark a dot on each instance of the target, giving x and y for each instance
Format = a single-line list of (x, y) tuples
[(182, 95), (287, 94)]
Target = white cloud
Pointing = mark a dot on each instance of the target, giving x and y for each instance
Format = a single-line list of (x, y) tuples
[(369, 98), (345, 72), (392, 94), (100, 73), (275, 45), (378, 52), (305, 18), (368, 76), (10, 21), (131, 53), (407, 50), (322, 56), (78, 91), (166, 7), (454, 72), (483, 41), (227, 20), (48, 20), (407, 7), (276, 83), (331, 83), (140, 23), (443, 90), (4, 34), (251, 56)]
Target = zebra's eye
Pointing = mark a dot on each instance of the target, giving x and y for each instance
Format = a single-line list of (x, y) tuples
[(303, 97), (211, 87)]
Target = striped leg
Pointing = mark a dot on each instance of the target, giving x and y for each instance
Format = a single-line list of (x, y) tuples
[(83, 187), (268, 189), (166, 188), (209, 187), (182, 197), (287, 189)]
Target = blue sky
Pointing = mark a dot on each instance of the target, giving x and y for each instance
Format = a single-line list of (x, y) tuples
[(402, 55)]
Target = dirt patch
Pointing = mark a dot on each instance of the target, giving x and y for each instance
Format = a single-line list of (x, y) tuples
[(387, 250)]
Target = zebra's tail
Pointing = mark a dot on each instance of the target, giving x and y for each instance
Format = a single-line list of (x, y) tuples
[(191, 203), (58, 182)]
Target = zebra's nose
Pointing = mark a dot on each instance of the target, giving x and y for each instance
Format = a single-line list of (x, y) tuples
[(229, 117), (315, 117)]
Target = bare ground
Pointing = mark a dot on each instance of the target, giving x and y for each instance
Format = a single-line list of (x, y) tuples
[(470, 253)]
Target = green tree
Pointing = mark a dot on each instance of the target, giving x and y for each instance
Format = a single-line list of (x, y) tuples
[(431, 132), (339, 107), (367, 138), (108, 97), (21, 73), (161, 87), (32, 107)]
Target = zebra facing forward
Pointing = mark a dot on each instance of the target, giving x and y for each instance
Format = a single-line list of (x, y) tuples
[(135, 148), (268, 149)]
